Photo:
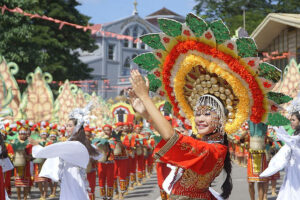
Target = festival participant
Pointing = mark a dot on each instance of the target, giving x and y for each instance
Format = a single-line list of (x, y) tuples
[(275, 146), (52, 140), (257, 160), (21, 161), (106, 164), (10, 152), (91, 169), (42, 182), (139, 154), (121, 161), (287, 158), (68, 160), (210, 82), (5, 166)]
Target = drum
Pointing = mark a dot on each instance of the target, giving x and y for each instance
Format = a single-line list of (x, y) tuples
[(118, 149), (139, 150), (19, 160), (145, 151)]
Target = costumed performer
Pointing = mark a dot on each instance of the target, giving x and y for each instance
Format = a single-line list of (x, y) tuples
[(5, 165), (202, 73), (67, 161), (288, 158)]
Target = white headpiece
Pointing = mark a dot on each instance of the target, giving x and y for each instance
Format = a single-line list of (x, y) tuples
[(294, 106), (216, 105), (81, 115)]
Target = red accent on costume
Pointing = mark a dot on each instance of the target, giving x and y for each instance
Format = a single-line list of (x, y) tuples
[(2, 185), (37, 170), (106, 174), (7, 175), (162, 172), (198, 159), (257, 163)]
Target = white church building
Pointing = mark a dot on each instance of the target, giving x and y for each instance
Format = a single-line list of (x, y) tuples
[(112, 61)]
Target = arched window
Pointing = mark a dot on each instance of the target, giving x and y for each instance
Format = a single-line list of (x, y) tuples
[(143, 46), (126, 42), (134, 35), (126, 67)]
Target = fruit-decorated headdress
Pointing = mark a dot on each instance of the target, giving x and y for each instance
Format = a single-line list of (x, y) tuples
[(196, 58)]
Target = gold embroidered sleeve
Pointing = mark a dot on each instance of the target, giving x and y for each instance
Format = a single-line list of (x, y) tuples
[(171, 142)]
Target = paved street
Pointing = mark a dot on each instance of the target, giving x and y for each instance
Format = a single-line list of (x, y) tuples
[(150, 191)]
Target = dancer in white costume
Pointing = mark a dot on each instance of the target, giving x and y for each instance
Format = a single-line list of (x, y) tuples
[(68, 160), (288, 158)]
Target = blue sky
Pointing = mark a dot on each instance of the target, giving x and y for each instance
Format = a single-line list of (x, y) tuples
[(102, 11)]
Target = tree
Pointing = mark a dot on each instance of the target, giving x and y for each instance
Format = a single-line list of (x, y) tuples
[(37, 42), (231, 11)]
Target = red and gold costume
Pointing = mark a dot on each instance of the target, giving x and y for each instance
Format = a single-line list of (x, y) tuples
[(2, 185), (22, 173), (202, 71), (106, 170), (106, 176), (7, 175), (257, 161), (199, 166)]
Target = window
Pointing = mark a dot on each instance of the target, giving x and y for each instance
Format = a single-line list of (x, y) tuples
[(143, 46), (126, 67), (134, 35), (126, 42), (111, 52), (298, 55)]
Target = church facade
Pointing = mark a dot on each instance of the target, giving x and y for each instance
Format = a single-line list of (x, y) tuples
[(112, 61)]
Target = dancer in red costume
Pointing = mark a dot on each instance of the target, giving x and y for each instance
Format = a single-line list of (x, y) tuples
[(106, 165), (5, 165), (7, 174), (22, 158), (91, 170), (121, 161)]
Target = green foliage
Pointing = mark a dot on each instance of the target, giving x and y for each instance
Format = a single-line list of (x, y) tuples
[(146, 61), (37, 42), (231, 12)]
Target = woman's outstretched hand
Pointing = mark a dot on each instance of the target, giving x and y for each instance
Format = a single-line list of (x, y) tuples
[(139, 85), (137, 103)]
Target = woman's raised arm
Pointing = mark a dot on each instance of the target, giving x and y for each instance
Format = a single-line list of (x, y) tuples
[(140, 89)]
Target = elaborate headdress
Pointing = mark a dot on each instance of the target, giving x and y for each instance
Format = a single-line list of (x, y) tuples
[(196, 58)]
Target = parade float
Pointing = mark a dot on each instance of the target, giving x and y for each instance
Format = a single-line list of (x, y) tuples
[(122, 111), (9, 89), (65, 102), (37, 100)]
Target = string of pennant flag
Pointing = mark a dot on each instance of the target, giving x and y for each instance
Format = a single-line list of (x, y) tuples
[(94, 28)]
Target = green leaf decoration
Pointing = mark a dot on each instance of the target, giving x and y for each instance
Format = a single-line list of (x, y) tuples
[(167, 107), (269, 72), (147, 61), (196, 24), (279, 98), (154, 83), (153, 40), (170, 27), (276, 119), (220, 31), (246, 47)]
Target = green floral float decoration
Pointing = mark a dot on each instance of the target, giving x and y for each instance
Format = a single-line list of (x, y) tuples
[(64, 103), (7, 71), (37, 100)]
